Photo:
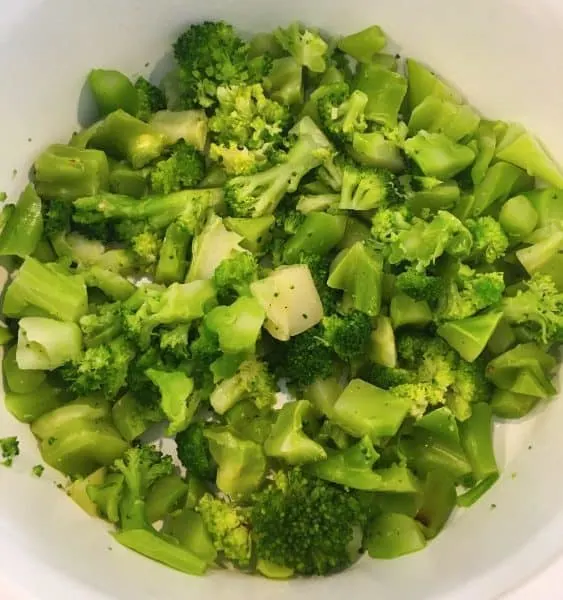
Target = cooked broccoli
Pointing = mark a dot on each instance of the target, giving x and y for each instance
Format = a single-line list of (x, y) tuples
[(386, 377), (365, 188), (538, 309), (141, 467), (341, 112), (489, 240), (388, 223), (306, 46), (150, 99), (420, 286), (234, 275), (228, 526), (420, 396), (319, 266), (102, 326), (248, 129), (184, 168), (102, 368), (211, 54), (305, 524), (56, 217), (348, 335), (193, 451), (469, 387), (260, 193), (10, 448), (174, 343)]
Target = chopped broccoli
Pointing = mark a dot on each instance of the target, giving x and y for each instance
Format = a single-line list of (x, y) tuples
[(193, 451), (234, 275), (341, 112), (420, 286), (319, 266), (185, 168), (388, 223), (305, 524), (260, 193), (386, 377), (38, 470), (469, 387), (306, 46), (211, 54), (10, 448), (150, 99), (420, 396), (490, 243), (174, 342), (348, 335)]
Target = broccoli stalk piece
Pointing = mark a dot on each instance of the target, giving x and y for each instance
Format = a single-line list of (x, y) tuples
[(287, 441), (366, 188), (284, 83), (45, 288), (185, 168), (252, 381), (241, 464), (341, 112), (259, 194), (112, 91), (317, 234), (23, 228), (189, 126), (304, 524), (66, 173), (307, 47), (171, 265), (363, 45)]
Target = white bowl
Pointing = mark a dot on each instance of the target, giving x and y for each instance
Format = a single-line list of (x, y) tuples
[(504, 56)]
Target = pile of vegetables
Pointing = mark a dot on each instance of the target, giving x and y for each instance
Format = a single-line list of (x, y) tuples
[(297, 211)]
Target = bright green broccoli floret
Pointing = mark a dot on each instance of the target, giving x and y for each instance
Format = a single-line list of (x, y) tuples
[(260, 193), (305, 524), (145, 245), (348, 335), (174, 342), (420, 286), (341, 112), (307, 47), (420, 396), (365, 188), (538, 309), (150, 99), (234, 275), (211, 54), (141, 467), (388, 223), (386, 377), (102, 326), (248, 128), (469, 387), (185, 168), (489, 240), (193, 451), (101, 368), (228, 526), (10, 448)]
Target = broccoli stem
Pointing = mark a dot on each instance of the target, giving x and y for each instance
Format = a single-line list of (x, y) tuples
[(363, 45), (438, 501), (164, 497), (385, 91), (172, 263), (392, 535), (111, 284), (318, 234), (24, 228), (112, 90), (518, 217), (29, 406), (476, 435)]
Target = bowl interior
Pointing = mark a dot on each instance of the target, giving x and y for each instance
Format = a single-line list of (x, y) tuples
[(501, 55)]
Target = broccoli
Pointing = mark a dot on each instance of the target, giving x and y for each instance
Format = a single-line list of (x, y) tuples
[(306, 46), (469, 387), (490, 243), (469, 292), (260, 193), (150, 99), (184, 168), (319, 266), (248, 128), (193, 451), (420, 286), (341, 112), (419, 395), (174, 343), (537, 309), (348, 335), (228, 526), (388, 223), (234, 275), (305, 524), (10, 448), (386, 377), (101, 368), (252, 381), (365, 188), (204, 351), (211, 54), (56, 217), (145, 245), (141, 467)]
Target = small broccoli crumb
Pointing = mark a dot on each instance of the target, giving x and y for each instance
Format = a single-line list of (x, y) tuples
[(10, 448), (38, 470)]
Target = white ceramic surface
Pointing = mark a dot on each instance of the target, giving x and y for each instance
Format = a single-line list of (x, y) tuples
[(504, 55)]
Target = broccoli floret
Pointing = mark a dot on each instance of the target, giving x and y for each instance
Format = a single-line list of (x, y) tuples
[(420, 396), (420, 286), (101, 368), (260, 193), (348, 335), (174, 343), (252, 381), (185, 168), (538, 309), (211, 54), (146, 246), (305, 524), (10, 448), (56, 217), (470, 386), (234, 275), (306, 46), (204, 351), (193, 451), (489, 240), (249, 129), (150, 99), (102, 326), (388, 223), (469, 293), (319, 266), (305, 358), (141, 467), (228, 526), (365, 188), (341, 112), (386, 377)]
